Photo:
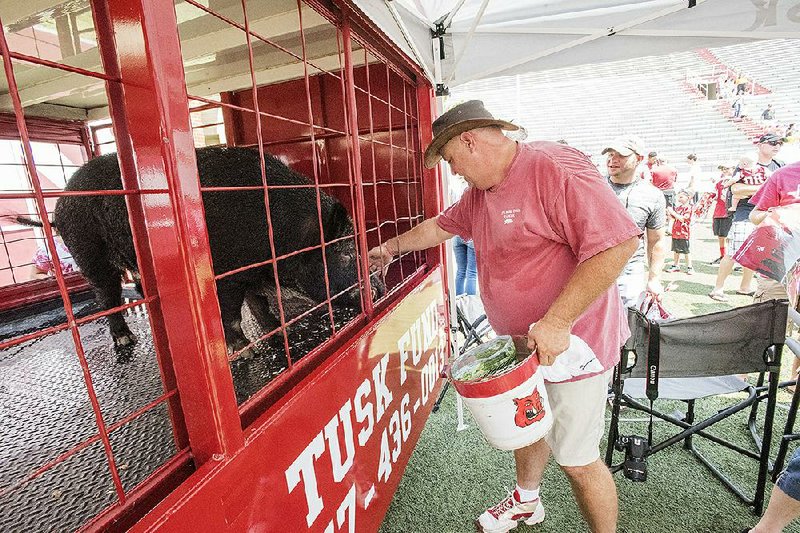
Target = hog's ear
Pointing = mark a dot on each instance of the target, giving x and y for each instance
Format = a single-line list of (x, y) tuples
[(516, 401), (337, 223)]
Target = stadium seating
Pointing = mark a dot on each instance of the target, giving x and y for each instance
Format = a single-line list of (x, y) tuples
[(650, 97)]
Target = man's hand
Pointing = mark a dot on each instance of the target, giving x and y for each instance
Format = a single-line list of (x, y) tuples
[(379, 258), (549, 337), (655, 288)]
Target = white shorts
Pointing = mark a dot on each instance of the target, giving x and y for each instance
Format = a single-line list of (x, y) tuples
[(739, 232), (578, 409)]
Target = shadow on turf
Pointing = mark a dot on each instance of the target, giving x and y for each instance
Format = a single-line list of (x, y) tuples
[(706, 305), (700, 267), (711, 307), (694, 287)]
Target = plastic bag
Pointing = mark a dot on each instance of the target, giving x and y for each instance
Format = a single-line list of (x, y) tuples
[(486, 360), (577, 360), (773, 248), (650, 307)]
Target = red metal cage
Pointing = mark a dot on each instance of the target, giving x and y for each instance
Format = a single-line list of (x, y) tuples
[(101, 434)]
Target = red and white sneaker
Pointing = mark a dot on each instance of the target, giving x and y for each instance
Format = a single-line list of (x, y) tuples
[(505, 515)]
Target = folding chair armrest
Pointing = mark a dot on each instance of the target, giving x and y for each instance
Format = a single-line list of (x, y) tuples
[(793, 345), (794, 315), (478, 321)]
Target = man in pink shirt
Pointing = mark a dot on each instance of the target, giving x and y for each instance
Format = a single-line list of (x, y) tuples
[(782, 188), (550, 239)]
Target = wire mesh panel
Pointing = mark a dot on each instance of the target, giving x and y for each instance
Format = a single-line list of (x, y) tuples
[(88, 412), (390, 157), (296, 279), (207, 248), (24, 255)]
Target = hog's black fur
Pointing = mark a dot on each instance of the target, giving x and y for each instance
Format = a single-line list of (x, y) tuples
[(96, 231)]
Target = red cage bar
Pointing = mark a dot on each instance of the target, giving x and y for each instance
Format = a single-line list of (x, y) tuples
[(315, 85)]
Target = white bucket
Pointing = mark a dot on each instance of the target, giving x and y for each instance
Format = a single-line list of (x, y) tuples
[(511, 409)]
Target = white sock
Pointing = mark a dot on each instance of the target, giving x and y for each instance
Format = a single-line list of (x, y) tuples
[(527, 495)]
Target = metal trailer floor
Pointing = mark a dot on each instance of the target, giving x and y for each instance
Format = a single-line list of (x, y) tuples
[(45, 411)]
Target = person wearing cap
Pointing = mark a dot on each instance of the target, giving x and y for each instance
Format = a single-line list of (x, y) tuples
[(646, 206), (652, 160), (743, 188), (722, 218), (550, 239)]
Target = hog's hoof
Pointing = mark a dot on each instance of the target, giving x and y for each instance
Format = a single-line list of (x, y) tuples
[(124, 341), (123, 348)]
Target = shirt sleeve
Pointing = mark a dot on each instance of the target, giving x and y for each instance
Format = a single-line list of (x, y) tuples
[(457, 219), (658, 216), (586, 213)]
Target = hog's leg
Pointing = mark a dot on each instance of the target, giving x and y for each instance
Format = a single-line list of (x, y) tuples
[(90, 251), (266, 320), (107, 283), (231, 297), (260, 309)]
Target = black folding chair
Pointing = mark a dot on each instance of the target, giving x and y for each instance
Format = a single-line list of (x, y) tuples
[(472, 325), (692, 358)]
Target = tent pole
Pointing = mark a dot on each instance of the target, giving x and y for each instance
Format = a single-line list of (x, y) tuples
[(475, 23), (450, 16), (409, 40)]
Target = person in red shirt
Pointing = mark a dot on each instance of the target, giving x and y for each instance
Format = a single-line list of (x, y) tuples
[(681, 232), (663, 178), (550, 238), (768, 145), (781, 189), (722, 217), (748, 173)]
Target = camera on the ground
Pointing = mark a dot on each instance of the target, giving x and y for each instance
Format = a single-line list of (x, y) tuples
[(636, 449)]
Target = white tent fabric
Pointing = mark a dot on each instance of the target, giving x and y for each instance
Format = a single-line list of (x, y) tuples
[(488, 38)]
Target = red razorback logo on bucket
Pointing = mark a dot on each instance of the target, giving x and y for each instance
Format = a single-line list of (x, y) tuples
[(529, 409)]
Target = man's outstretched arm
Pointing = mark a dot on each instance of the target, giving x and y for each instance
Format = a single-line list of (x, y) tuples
[(425, 235)]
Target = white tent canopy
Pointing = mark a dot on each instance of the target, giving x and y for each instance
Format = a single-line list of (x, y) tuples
[(487, 38)]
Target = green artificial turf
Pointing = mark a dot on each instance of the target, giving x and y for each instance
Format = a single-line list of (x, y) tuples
[(453, 476)]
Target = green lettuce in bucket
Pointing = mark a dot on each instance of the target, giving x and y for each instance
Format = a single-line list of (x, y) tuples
[(486, 360)]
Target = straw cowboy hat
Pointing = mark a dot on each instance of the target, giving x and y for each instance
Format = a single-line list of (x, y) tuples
[(461, 118)]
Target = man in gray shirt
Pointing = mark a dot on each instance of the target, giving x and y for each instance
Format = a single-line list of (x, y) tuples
[(647, 207)]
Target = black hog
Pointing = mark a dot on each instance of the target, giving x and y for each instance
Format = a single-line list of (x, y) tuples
[(96, 231)]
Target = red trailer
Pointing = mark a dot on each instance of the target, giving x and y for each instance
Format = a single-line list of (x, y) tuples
[(313, 433)]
